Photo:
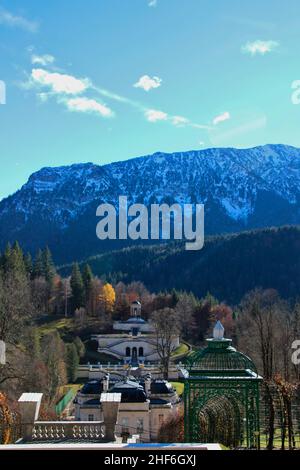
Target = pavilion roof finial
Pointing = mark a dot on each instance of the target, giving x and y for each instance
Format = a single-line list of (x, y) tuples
[(218, 331)]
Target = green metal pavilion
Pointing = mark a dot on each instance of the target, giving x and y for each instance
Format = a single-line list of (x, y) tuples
[(221, 395)]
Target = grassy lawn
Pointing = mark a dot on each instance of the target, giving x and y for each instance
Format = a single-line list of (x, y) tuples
[(65, 388), (182, 349), (68, 328), (62, 324), (277, 440), (179, 387)]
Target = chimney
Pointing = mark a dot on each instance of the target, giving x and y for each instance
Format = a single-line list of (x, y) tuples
[(105, 383), (29, 404), (148, 385), (110, 403)]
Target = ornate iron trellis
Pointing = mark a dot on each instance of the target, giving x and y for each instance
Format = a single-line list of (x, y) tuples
[(221, 396)]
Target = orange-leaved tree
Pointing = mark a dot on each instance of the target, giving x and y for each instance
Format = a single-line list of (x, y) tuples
[(107, 298)]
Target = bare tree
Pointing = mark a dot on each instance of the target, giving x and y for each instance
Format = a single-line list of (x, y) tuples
[(185, 310), (80, 316), (15, 313), (258, 327), (286, 391), (15, 307), (166, 327), (40, 295)]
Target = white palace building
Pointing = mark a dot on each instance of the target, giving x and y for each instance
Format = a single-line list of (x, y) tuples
[(135, 342)]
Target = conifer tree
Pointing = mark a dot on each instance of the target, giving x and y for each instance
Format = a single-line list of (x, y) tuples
[(77, 286), (13, 260), (38, 264), (48, 266), (17, 264), (72, 362), (28, 264), (175, 297), (6, 257), (87, 277)]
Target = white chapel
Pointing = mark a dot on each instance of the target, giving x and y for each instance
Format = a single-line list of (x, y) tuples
[(134, 341)]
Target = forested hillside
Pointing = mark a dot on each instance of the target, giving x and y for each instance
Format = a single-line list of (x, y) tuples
[(227, 267)]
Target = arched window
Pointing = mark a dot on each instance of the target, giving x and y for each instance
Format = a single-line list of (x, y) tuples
[(141, 351), (128, 352)]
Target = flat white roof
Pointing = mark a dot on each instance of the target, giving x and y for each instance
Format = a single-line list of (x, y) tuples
[(109, 397), (34, 397)]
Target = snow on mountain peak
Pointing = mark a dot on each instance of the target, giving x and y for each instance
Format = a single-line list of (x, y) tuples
[(239, 187)]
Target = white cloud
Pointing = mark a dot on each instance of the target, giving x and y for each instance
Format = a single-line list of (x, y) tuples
[(151, 115), (152, 3), (154, 115), (87, 105), (14, 21), (221, 118), (179, 121), (296, 93), (147, 83), (200, 126), (49, 84), (42, 59), (59, 83), (259, 47)]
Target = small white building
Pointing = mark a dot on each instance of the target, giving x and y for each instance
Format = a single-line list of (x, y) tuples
[(136, 341), (145, 404)]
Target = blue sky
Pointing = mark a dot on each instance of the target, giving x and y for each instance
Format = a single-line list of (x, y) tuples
[(107, 80)]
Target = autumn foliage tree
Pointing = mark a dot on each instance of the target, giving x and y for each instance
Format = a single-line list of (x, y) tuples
[(107, 298), (173, 429), (7, 421)]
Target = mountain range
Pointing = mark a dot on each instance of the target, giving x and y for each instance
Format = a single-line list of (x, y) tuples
[(241, 189)]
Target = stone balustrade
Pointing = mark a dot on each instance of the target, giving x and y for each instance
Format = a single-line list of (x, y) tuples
[(60, 431), (68, 430)]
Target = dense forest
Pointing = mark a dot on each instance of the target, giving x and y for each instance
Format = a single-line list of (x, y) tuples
[(36, 300), (228, 266)]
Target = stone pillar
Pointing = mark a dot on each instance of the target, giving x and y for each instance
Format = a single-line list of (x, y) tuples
[(105, 383), (148, 385), (110, 407), (29, 404)]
